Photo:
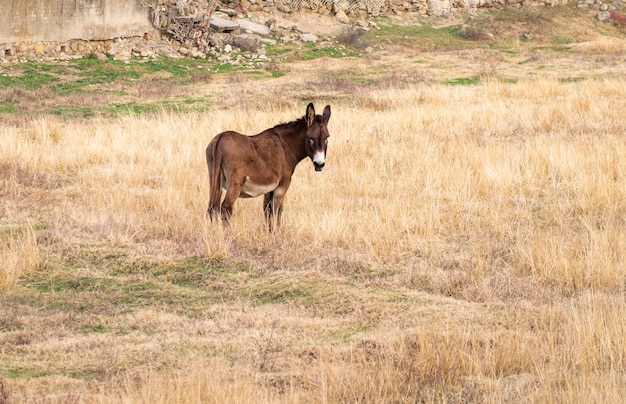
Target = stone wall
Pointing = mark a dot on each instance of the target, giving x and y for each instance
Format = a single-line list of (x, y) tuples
[(64, 20), (59, 29), (375, 8)]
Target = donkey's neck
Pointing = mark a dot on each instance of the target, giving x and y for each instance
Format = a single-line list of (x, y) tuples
[(294, 137)]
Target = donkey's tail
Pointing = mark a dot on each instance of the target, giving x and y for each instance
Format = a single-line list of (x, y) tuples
[(214, 163)]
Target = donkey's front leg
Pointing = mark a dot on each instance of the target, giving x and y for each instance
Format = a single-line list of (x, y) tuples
[(277, 201), (268, 209)]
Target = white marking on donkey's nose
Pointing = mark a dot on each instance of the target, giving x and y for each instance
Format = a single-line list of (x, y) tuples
[(319, 157)]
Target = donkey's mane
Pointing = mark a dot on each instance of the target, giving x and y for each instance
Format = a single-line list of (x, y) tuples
[(292, 124), (296, 123)]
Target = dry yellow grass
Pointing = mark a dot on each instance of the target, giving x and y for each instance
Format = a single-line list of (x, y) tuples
[(463, 244), (19, 256)]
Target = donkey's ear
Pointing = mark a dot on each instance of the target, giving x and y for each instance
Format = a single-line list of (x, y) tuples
[(326, 114), (310, 114)]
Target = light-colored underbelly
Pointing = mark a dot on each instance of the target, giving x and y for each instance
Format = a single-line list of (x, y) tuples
[(250, 189)]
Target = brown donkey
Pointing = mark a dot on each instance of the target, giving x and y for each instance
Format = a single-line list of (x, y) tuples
[(248, 166)]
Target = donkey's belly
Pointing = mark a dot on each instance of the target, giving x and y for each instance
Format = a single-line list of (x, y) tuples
[(250, 189)]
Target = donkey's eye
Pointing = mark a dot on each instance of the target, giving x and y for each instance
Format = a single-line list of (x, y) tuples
[(326, 141), (311, 141)]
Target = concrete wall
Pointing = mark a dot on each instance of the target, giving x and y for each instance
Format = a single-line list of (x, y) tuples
[(62, 20)]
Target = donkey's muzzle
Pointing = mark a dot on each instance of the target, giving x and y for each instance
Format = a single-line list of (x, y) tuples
[(319, 158)]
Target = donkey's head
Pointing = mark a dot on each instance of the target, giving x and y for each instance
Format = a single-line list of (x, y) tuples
[(317, 136)]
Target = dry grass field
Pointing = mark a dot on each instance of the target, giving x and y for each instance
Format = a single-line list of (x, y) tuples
[(465, 243)]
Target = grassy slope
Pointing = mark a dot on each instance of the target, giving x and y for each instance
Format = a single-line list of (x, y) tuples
[(495, 273)]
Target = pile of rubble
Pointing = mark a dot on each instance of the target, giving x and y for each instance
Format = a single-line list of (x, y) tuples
[(186, 21)]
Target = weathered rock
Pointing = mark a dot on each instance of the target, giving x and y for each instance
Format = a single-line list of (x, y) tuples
[(285, 9), (220, 24), (100, 56), (246, 42), (308, 38), (123, 56), (253, 27), (218, 39), (229, 12), (267, 41), (342, 17), (197, 54)]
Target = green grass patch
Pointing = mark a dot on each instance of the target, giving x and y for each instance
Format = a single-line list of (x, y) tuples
[(17, 372), (417, 36), (30, 79), (70, 87), (348, 335), (329, 52), (223, 68), (558, 40), (285, 292), (109, 286), (43, 282), (98, 328), (572, 79), (317, 294), (194, 272), (180, 69), (277, 50), (77, 74), (133, 108), (255, 72), (194, 101), (397, 298), (73, 111), (556, 48), (8, 107), (108, 72), (461, 81)]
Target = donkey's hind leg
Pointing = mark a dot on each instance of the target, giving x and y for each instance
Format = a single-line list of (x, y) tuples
[(232, 193), (214, 210)]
